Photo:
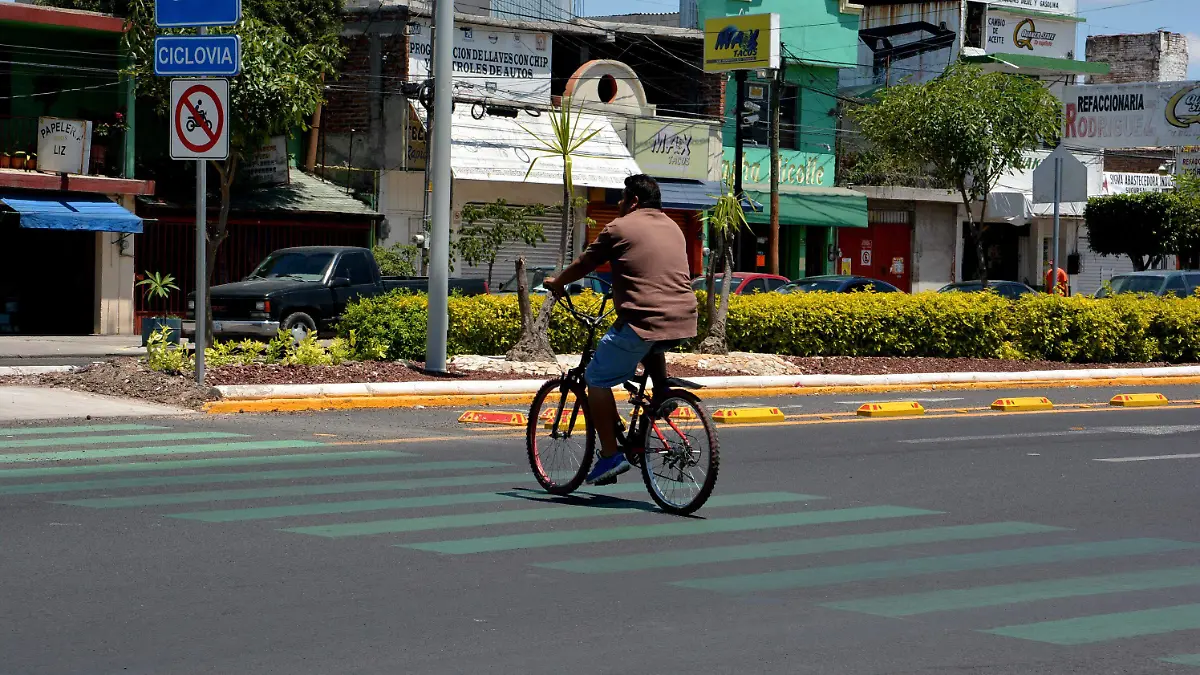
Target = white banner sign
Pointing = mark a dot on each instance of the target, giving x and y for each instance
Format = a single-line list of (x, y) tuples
[(1128, 183), (1015, 33), (1140, 115), (268, 166), (64, 146), (1050, 6), (490, 62)]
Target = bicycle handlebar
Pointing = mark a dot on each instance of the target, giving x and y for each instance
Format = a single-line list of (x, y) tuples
[(588, 319)]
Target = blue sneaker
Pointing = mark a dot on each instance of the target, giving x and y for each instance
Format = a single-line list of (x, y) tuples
[(608, 468)]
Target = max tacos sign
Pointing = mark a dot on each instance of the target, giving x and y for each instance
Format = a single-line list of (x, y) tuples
[(1137, 115)]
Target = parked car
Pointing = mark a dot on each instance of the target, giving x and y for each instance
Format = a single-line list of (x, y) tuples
[(1155, 282), (305, 287), (537, 275), (1013, 290), (837, 283), (743, 283)]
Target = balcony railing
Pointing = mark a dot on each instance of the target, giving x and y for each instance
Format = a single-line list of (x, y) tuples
[(19, 145)]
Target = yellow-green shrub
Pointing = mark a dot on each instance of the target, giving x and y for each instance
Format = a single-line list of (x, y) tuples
[(1118, 329)]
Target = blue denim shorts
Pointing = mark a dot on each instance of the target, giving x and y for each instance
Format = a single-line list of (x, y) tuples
[(618, 355)]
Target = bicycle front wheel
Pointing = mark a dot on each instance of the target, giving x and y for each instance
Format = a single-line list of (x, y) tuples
[(682, 454), (559, 436)]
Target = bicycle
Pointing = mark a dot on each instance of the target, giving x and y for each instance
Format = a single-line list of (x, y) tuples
[(670, 437)]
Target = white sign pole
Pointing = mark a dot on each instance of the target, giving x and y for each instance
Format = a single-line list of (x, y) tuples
[(201, 312), (1057, 210)]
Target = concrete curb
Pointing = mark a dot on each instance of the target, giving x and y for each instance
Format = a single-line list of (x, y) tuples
[(18, 371), (255, 392), (273, 398)]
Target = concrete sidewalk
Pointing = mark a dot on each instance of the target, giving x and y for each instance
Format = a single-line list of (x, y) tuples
[(71, 346), (18, 404)]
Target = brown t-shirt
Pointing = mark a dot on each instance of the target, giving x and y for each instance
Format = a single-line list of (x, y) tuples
[(652, 287)]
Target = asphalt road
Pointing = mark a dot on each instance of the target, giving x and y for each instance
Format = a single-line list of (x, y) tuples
[(401, 542)]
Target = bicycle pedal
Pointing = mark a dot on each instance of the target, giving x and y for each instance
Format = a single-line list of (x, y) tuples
[(606, 481)]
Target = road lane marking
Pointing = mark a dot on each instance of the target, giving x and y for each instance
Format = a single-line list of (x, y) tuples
[(1104, 627), (920, 400), (171, 465), (1150, 458), (46, 431), (302, 490), (211, 478), (672, 529), (910, 567), (1009, 594), (796, 547), (111, 440), (1166, 430), (361, 506), (153, 450), (1183, 659), (592, 508)]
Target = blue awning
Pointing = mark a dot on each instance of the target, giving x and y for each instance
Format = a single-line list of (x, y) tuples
[(690, 195), (96, 214)]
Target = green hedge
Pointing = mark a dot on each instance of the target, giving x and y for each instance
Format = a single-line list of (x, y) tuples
[(1085, 330)]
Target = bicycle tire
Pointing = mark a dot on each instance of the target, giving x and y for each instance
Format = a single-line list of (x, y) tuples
[(569, 481), (713, 450)]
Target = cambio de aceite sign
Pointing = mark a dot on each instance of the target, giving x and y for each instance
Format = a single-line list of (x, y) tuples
[(1139, 115), (505, 65), (199, 119), (1016, 33)]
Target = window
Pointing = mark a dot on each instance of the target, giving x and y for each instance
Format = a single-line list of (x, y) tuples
[(299, 265), (773, 284), (354, 267), (1193, 283), (755, 286), (1175, 286)]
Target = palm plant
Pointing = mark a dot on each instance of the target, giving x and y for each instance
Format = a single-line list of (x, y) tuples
[(724, 221)]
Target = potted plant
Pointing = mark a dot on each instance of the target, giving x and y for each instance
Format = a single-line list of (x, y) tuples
[(159, 286), (18, 160), (31, 162), (5, 160)]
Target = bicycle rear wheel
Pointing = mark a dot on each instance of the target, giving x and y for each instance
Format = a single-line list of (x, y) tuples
[(559, 436), (682, 454)]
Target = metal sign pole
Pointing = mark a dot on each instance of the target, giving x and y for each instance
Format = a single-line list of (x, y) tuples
[(1057, 210), (441, 177), (201, 260)]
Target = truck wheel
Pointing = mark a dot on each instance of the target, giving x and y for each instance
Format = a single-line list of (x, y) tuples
[(300, 320)]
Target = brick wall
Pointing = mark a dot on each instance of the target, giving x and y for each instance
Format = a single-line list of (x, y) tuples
[(1146, 57), (712, 94), (350, 96)]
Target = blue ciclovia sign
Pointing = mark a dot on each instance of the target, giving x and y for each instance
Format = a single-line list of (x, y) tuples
[(198, 55), (196, 13)]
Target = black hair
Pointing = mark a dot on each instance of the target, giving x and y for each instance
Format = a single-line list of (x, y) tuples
[(645, 189)]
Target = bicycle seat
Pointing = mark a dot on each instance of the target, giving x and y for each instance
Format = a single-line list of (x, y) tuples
[(679, 383)]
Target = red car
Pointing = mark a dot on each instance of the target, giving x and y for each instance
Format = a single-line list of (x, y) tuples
[(745, 282)]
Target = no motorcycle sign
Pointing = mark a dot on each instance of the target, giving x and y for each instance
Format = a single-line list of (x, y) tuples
[(199, 119)]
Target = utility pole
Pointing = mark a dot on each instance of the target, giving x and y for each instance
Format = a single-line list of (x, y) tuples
[(739, 137), (440, 176), (201, 313), (773, 234)]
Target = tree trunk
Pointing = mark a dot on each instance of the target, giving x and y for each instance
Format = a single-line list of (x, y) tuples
[(716, 256), (715, 342), (491, 265), (534, 343), (215, 238), (977, 233), (568, 207)]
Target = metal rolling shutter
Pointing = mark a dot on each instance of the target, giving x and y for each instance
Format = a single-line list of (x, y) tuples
[(1096, 269), (545, 254)]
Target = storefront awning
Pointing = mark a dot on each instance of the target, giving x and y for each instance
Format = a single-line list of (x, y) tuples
[(495, 148), (1040, 66), (690, 195), (95, 214), (811, 206)]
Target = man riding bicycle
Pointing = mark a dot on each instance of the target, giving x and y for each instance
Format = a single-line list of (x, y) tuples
[(655, 306)]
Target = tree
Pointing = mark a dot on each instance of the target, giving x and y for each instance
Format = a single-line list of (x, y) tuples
[(564, 143), (398, 260), (724, 221), (287, 46), (970, 127), (487, 229), (1146, 226)]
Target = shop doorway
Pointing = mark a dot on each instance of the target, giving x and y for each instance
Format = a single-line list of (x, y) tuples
[(47, 281), (1001, 243), (880, 251), (816, 250)]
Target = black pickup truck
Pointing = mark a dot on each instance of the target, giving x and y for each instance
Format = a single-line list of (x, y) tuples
[(306, 287)]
